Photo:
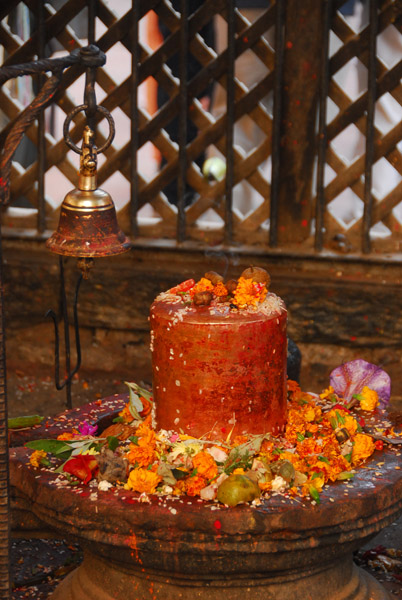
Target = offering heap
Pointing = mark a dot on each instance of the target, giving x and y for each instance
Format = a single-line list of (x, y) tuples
[(219, 353)]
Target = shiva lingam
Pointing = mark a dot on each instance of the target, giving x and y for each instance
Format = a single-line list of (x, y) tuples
[(164, 547)]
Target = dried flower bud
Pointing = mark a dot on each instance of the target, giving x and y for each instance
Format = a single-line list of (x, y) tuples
[(213, 277), (202, 298), (231, 285), (342, 435)]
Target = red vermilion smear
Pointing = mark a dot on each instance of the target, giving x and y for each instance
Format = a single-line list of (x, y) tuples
[(211, 372), (217, 525)]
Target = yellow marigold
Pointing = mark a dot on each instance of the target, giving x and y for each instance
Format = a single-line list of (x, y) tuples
[(249, 293), (317, 482), (220, 289), (203, 285), (239, 471), (368, 399), (195, 484), (205, 465), (36, 457), (327, 393), (142, 480), (363, 447), (143, 456)]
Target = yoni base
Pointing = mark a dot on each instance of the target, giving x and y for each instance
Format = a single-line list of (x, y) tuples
[(97, 579)]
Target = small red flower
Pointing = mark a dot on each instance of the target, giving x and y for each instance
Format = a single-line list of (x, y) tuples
[(82, 466), (379, 445)]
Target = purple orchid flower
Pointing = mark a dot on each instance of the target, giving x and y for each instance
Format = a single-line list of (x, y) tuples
[(86, 428), (350, 378)]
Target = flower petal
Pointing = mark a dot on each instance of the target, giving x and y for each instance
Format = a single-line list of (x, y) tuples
[(350, 378)]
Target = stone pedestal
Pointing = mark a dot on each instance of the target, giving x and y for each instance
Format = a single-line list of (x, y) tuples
[(284, 549)]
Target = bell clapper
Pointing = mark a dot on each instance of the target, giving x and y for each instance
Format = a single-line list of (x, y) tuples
[(85, 265)]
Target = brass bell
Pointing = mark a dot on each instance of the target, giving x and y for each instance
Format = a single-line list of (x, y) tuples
[(88, 224)]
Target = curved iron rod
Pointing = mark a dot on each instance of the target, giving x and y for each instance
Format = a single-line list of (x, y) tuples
[(50, 313)]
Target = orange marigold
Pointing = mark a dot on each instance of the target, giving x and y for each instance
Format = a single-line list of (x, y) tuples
[(220, 289), (143, 481), (195, 484), (293, 386), (143, 456), (66, 436), (146, 436), (363, 447), (126, 414), (205, 465), (203, 285), (249, 293)]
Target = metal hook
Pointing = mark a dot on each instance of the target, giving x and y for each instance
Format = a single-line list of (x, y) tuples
[(50, 313)]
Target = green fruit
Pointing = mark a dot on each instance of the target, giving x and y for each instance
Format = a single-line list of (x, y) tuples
[(236, 489)]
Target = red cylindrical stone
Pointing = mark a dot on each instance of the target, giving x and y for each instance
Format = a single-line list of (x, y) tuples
[(215, 369)]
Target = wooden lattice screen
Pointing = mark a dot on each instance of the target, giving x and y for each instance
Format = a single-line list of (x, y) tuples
[(335, 187)]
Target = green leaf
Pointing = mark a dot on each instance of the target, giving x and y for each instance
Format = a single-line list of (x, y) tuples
[(334, 422), (324, 459), (308, 434), (27, 421), (112, 442), (118, 420), (300, 437), (134, 439), (136, 392), (315, 475), (49, 446), (179, 474), (341, 420), (314, 494), (348, 456), (345, 475)]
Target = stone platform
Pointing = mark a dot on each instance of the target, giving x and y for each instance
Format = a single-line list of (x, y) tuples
[(287, 549)]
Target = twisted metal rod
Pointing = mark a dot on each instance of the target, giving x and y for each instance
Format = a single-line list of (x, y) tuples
[(90, 57)]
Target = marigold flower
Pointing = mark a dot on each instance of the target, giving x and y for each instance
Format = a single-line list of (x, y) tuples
[(36, 458), (327, 393), (205, 465), (249, 293), (368, 399), (146, 436), (126, 414), (239, 471), (143, 481), (342, 418), (195, 484), (220, 289), (292, 386), (363, 448), (203, 285), (67, 436), (143, 456), (265, 486)]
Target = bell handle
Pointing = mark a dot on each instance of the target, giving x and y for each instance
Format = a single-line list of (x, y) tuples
[(70, 117)]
